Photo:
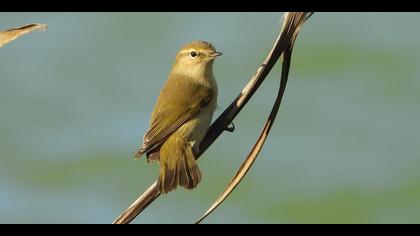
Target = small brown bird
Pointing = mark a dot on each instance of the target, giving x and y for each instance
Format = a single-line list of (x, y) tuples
[(182, 116)]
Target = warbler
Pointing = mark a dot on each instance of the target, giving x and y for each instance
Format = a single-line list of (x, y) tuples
[(182, 116)]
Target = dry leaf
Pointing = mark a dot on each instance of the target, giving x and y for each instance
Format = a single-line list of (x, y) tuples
[(11, 34)]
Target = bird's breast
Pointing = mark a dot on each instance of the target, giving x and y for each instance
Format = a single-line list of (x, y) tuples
[(196, 128)]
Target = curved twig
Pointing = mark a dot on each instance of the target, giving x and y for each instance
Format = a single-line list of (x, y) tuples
[(252, 156), (285, 38), (297, 21)]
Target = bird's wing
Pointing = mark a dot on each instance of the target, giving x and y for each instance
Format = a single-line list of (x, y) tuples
[(186, 99)]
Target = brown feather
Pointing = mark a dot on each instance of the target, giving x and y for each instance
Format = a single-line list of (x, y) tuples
[(193, 172), (182, 173), (177, 164), (153, 156)]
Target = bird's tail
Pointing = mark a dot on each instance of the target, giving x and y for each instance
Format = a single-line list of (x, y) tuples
[(177, 165)]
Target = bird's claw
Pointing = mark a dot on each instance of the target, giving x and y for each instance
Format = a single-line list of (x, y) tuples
[(230, 128)]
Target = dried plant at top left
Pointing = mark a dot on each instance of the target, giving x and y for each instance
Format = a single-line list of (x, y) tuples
[(12, 34)]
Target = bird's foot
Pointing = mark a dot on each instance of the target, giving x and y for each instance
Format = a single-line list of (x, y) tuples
[(230, 128)]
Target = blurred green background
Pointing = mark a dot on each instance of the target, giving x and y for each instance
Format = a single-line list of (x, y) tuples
[(75, 101)]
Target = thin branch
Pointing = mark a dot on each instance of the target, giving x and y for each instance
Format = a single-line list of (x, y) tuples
[(285, 38), (296, 20), (138, 205), (252, 156)]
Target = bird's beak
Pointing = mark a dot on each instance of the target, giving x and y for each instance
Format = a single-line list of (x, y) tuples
[(216, 54)]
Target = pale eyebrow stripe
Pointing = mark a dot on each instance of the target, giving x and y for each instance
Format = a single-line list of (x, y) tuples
[(186, 50)]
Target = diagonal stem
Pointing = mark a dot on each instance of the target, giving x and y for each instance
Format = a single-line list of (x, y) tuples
[(252, 156)]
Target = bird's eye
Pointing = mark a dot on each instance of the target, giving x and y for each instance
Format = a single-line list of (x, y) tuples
[(193, 54)]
